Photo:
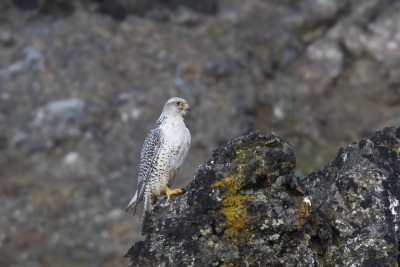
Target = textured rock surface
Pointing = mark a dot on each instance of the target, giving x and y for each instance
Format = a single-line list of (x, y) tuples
[(246, 208), (357, 202)]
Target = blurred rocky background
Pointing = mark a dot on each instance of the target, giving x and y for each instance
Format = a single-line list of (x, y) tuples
[(83, 81)]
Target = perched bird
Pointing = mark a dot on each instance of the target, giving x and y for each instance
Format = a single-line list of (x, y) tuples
[(163, 153)]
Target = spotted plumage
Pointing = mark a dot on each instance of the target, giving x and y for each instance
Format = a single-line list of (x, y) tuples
[(163, 153)]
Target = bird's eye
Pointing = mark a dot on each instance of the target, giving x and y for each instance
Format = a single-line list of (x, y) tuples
[(179, 103)]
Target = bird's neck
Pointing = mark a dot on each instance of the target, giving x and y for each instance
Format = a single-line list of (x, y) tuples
[(166, 117)]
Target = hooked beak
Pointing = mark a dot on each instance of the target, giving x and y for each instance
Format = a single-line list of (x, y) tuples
[(186, 109)]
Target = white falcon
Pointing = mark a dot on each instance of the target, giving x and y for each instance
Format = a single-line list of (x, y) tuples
[(163, 153)]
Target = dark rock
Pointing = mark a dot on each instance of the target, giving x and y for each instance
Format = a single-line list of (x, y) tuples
[(27, 5), (120, 9), (245, 207), (358, 199)]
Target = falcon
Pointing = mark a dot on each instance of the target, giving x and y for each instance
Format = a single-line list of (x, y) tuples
[(163, 153)]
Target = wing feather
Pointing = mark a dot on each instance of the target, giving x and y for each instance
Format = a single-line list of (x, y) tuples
[(148, 159)]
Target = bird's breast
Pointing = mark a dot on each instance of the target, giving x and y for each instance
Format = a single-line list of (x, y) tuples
[(175, 141)]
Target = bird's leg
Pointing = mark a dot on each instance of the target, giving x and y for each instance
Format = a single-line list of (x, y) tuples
[(170, 192)]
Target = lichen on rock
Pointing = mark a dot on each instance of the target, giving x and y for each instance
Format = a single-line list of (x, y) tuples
[(242, 207), (245, 207), (356, 197)]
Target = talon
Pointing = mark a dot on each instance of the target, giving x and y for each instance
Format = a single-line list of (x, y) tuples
[(170, 192)]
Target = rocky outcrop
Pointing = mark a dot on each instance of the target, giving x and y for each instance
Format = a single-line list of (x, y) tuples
[(357, 202), (245, 207)]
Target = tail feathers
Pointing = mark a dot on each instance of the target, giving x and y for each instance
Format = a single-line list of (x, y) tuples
[(147, 204), (149, 201), (134, 202)]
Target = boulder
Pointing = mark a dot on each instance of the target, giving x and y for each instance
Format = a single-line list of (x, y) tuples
[(245, 207)]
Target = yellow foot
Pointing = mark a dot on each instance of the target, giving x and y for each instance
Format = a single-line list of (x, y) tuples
[(170, 192)]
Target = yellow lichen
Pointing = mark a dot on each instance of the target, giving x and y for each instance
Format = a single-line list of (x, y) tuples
[(232, 206), (229, 182), (270, 174), (259, 171), (396, 147), (299, 188), (241, 155)]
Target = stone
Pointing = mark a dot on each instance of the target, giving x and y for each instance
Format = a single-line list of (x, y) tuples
[(344, 215)]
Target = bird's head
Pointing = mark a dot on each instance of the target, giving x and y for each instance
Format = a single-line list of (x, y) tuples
[(177, 105)]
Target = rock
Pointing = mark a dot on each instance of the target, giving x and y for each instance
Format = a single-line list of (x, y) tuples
[(214, 222), (324, 60), (33, 57), (57, 121), (357, 201), (120, 9), (6, 38), (32, 60), (245, 207), (27, 5)]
